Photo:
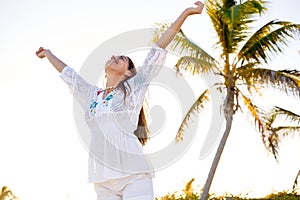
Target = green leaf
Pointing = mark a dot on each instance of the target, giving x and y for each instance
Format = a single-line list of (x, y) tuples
[(260, 77), (269, 40), (197, 107)]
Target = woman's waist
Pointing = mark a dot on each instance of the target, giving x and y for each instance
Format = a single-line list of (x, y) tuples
[(112, 122), (110, 115)]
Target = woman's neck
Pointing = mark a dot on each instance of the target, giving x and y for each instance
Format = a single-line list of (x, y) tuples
[(112, 81)]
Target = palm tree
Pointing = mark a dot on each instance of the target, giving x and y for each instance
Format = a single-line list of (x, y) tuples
[(240, 66), (279, 130), (6, 193), (275, 119)]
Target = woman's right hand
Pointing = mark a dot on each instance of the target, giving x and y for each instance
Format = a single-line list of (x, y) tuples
[(195, 10), (41, 52)]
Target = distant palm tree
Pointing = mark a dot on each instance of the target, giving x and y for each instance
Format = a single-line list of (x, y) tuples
[(276, 120), (6, 193), (240, 66), (279, 130)]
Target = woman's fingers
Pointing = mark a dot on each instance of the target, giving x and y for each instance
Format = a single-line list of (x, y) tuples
[(39, 52), (198, 3)]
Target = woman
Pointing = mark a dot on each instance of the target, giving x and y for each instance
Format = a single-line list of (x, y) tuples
[(117, 166)]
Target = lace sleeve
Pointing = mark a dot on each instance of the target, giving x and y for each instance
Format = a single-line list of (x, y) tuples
[(151, 66), (153, 63), (79, 88)]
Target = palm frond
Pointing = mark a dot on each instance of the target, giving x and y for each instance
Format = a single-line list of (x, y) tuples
[(276, 132), (230, 21), (193, 65), (6, 193), (189, 47), (271, 142), (289, 115), (185, 46), (285, 116), (286, 131), (292, 72), (274, 135), (261, 77), (215, 12), (255, 112), (248, 82), (238, 17), (195, 108), (269, 136), (213, 9), (269, 40), (180, 39)]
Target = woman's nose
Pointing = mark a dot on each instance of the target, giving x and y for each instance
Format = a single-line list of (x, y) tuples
[(115, 59)]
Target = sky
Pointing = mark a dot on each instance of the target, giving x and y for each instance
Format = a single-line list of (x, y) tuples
[(41, 153)]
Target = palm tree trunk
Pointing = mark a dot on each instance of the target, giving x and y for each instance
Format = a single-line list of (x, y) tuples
[(228, 112), (296, 181)]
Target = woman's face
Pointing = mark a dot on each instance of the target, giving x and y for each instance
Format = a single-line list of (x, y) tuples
[(117, 64)]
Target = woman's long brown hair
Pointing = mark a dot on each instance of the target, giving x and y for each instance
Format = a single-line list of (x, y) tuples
[(142, 131)]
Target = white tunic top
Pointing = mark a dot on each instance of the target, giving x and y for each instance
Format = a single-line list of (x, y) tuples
[(115, 151)]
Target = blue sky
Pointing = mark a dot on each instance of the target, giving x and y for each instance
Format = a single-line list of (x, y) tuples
[(40, 150)]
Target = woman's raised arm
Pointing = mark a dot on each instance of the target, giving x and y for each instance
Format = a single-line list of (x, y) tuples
[(57, 63), (170, 33)]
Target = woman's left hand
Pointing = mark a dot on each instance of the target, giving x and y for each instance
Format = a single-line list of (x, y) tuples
[(195, 10)]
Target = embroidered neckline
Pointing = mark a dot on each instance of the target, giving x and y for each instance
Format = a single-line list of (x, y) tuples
[(99, 92), (108, 97), (95, 103), (105, 101)]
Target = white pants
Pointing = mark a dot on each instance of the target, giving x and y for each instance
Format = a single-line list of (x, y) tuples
[(135, 187)]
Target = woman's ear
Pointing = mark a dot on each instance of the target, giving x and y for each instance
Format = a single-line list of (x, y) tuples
[(128, 73)]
